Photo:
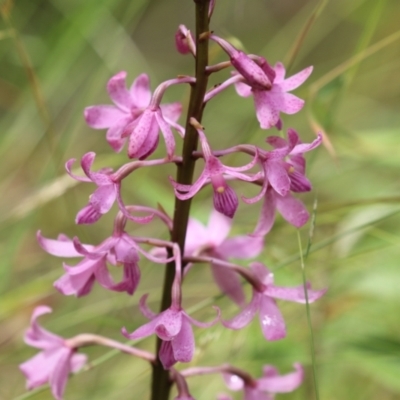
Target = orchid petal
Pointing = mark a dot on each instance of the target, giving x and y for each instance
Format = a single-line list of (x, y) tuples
[(241, 247), (267, 216), (183, 343), (246, 315), (103, 116), (282, 383), (140, 91), (229, 283), (118, 92), (59, 248), (293, 210), (295, 294), (271, 320), (296, 80)]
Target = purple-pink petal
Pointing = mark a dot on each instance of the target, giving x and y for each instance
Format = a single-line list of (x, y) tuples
[(140, 91), (282, 383), (183, 342), (38, 337), (167, 133), (246, 315), (118, 92), (267, 217), (59, 248), (277, 176), (103, 116), (292, 210), (229, 283), (171, 111), (296, 80), (267, 114), (59, 376), (295, 294), (241, 247), (166, 354), (271, 319)]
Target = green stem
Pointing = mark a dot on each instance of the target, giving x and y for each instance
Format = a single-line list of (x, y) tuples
[(161, 382)]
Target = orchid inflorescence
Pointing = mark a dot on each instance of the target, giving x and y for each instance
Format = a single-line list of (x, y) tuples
[(135, 119)]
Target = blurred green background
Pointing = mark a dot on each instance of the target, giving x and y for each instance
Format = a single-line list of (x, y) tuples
[(56, 57)]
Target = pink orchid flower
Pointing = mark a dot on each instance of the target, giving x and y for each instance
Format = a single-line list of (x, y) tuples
[(212, 240), (119, 249), (131, 117), (265, 387), (284, 171), (271, 319), (56, 360), (103, 198), (225, 198), (270, 102), (174, 327)]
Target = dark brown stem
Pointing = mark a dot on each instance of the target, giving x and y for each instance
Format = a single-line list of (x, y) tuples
[(161, 382)]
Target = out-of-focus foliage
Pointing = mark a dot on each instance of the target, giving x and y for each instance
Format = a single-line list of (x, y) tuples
[(56, 57)]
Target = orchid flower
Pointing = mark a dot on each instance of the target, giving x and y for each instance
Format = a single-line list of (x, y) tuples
[(212, 240), (265, 387), (103, 198), (56, 360), (225, 198), (125, 117), (119, 249), (271, 319)]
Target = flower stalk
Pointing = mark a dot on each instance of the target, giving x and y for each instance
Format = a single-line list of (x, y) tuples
[(161, 382)]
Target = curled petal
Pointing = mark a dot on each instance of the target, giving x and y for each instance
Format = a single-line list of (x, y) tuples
[(38, 337), (68, 166), (144, 309), (204, 324), (246, 315)]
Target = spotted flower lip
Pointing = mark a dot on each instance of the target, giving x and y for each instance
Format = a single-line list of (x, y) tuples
[(55, 361), (270, 103), (125, 117), (224, 197), (266, 386), (173, 326), (271, 319)]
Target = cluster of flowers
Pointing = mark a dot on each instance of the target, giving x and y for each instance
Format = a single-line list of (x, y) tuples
[(137, 117)]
